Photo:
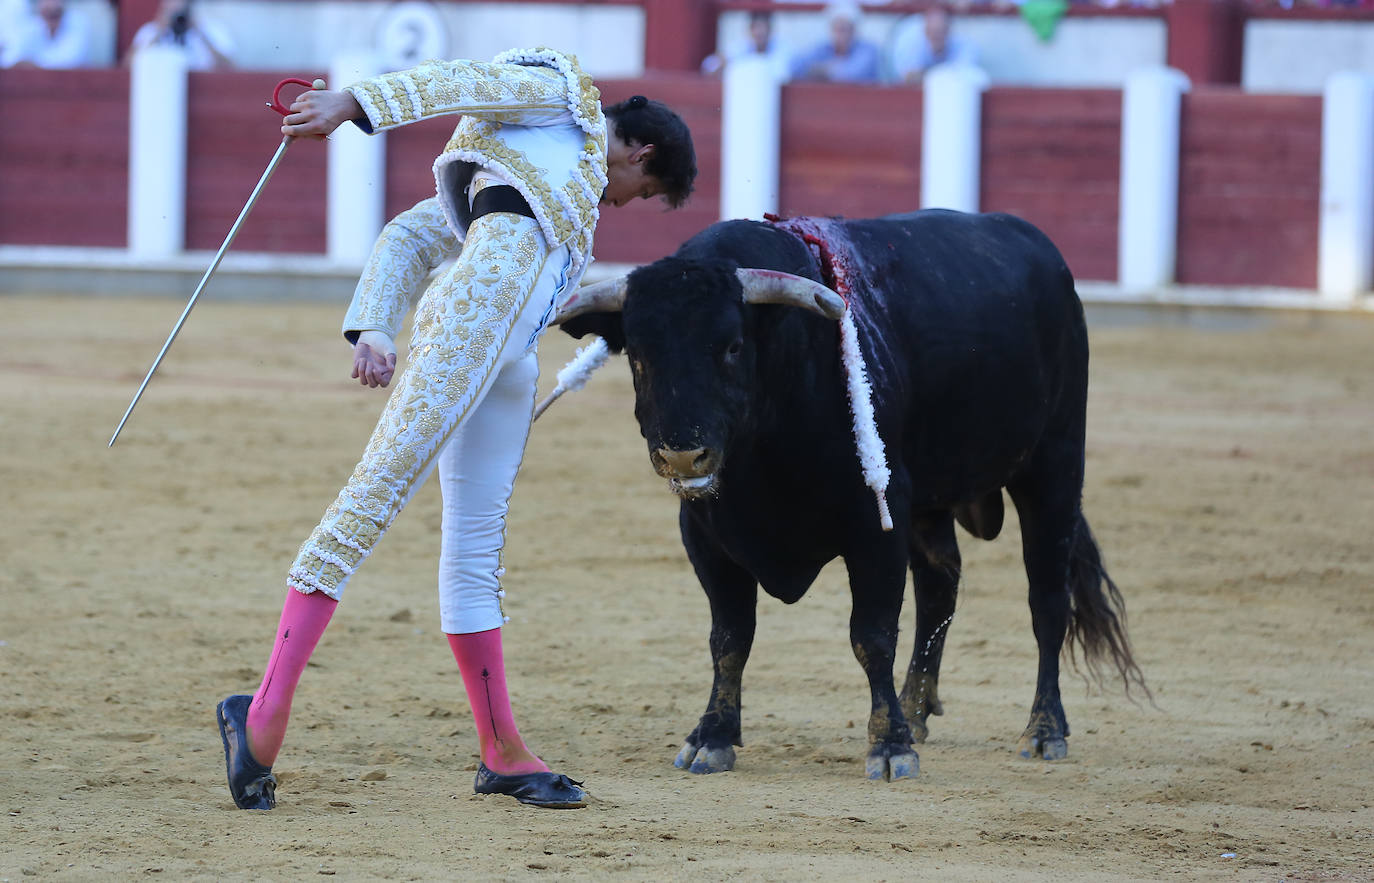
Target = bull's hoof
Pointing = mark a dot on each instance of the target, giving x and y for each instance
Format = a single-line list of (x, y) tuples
[(888, 762), (1034, 744), (701, 760)]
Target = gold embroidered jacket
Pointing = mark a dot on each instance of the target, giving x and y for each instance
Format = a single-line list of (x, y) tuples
[(411, 246), (531, 116)]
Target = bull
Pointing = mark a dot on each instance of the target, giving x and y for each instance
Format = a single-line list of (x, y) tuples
[(977, 354)]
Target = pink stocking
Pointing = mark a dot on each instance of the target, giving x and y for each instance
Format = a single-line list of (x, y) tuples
[(303, 620), (484, 677)]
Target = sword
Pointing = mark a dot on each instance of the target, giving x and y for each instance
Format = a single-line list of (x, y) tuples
[(276, 105)]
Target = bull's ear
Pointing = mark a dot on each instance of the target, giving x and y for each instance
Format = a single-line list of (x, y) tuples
[(607, 326)]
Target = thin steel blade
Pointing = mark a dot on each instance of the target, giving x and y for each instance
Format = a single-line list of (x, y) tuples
[(219, 255)]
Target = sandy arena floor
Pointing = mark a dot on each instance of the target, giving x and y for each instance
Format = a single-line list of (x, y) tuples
[(1230, 483)]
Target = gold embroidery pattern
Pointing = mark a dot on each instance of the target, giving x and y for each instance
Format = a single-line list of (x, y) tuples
[(470, 87), (411, 245), (584, 99), (517, 85), (569, 214), (462, 324), (511, 163)]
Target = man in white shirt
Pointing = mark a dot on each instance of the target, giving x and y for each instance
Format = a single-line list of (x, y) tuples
[(206, 44), (52, 36)]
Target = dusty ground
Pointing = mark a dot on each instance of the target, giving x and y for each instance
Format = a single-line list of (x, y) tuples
[(1230, 482)]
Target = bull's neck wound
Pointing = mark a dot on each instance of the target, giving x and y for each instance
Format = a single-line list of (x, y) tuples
[(836, 261)]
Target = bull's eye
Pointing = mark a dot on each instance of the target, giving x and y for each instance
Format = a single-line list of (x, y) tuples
[(734, 347)]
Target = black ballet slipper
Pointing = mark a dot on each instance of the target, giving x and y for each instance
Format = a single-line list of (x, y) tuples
[(547, 790), (251, 784)]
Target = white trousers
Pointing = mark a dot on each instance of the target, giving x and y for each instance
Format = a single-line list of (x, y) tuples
[(463, 400)]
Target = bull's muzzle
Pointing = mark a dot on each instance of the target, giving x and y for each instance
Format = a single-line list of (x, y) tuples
[(690, 473)]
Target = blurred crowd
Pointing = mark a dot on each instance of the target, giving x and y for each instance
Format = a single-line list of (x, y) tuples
[(1310, 4), (917, 43), (844, 56), (967, 5), (55, 34)]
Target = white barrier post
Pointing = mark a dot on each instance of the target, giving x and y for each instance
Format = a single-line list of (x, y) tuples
[(157, 153), (951, 137), (1147, 230), (356, 189), (1345, 262), (750, 120)]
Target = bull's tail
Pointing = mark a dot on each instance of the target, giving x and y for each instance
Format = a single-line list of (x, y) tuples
[(1097, 626)]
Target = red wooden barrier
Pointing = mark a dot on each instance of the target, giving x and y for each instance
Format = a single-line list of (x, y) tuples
[(850, 150), (1248, 200), (65, 150), (231, 136), (1053, 157), (1249, 188)]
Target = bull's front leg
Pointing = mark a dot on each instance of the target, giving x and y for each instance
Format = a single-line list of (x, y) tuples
[(877, 583), (733, 594)]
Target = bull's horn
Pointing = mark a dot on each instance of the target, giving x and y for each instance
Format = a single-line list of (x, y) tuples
[(773, 287), (600, 297)]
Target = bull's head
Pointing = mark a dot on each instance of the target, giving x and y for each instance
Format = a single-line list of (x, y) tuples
[(684, 327)]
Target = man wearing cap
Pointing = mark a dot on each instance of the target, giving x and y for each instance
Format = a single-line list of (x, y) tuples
[(844, 57)]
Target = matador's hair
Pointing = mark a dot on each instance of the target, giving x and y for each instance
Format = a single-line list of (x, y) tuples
[(640, 120)]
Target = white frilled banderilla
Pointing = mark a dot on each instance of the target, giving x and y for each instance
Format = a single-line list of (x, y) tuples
[(577, 372)]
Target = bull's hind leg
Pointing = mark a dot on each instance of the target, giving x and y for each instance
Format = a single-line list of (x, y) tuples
[(733, 594), (876, 583), (935, 568), (1048, 512)]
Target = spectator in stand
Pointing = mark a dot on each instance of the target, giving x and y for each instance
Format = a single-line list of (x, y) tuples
[(207, 45), (845, 57), (49, 36), (915, 52), (761, 44)]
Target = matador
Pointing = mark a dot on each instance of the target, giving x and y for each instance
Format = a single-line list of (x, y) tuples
[(519, 188)]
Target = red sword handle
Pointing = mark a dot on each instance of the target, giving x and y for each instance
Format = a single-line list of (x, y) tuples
[(276, 104)]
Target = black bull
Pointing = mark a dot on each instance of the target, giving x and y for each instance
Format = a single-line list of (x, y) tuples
[(977, 351)]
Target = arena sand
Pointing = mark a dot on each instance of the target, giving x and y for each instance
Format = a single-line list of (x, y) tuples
[(1230, 483)]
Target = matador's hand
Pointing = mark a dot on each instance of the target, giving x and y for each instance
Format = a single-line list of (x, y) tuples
[(374, 359), (317, 112)]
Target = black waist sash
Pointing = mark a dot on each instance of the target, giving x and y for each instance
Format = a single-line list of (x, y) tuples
[(500, 198)]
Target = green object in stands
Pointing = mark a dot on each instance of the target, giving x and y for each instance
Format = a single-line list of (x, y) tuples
[(1043, 16)]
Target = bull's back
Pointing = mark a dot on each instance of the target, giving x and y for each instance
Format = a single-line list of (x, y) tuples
[(982, 266), (974, 324)]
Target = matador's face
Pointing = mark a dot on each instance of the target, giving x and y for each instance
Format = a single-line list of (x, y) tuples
[(627, 177)]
